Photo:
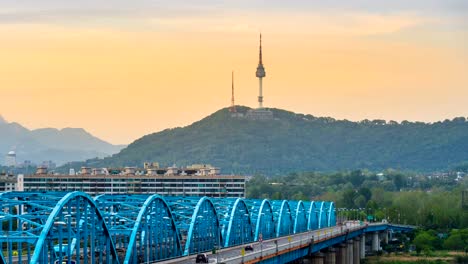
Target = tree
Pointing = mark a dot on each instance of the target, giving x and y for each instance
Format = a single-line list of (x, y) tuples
[(277, 196), (455, 242), (348, 198), (356, 178), (360, 201), (366, 192), (300, 196), (424, 241), (399, 181)]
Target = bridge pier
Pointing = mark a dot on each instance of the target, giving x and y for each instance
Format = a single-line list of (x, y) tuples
[(386, 236), (350, 251), (342, 254), (318, 258), (375, 241), (356, 254), (330, 256), (363, 246)]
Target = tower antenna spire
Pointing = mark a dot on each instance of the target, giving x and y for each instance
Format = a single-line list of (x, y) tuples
[(233, 105), (260, 53)]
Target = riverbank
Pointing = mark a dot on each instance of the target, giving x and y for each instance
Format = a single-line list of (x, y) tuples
[(439, 257)]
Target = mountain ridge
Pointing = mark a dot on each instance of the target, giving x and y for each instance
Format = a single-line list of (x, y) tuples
[(59, 145), (298, 142)]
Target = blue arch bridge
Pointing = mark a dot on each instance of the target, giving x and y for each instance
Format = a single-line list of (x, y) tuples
[(77, 228)]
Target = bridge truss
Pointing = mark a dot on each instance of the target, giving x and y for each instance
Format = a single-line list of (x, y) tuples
[(64, 227)]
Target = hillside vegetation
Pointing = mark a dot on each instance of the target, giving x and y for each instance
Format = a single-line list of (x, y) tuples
[(297, 142)]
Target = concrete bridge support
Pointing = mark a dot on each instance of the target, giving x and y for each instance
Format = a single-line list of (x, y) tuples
[(386, 237), (356, 253), (342, 254), (350, 251), (375, 242), (362, 252), (330, 256), (318, 258)]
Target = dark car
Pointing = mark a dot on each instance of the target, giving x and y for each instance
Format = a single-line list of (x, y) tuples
[(201, 258), (65, 262), (249, 248)]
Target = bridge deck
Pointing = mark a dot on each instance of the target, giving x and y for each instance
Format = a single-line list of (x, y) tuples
[(311, 241)]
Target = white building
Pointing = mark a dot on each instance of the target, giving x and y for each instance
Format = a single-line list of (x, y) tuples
[(10, 183), (10, 159)]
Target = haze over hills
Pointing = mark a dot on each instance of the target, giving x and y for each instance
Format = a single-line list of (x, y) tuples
[(59, 146), (295, 142)]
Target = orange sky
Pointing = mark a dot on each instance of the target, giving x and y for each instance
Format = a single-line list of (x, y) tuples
[(129, 77)]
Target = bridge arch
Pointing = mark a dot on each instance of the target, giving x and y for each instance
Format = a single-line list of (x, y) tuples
[(283, 214), (312, 215), (198, 223), (265, 227), (237, 228), (142, 226), (331, 214), (322, 218), (204, 233), (76, 220), (299, 215), (156, 231), (133, 228), (262, 218)]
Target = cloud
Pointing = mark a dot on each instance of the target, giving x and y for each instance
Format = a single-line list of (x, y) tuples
[(59, 11), (353, 24)]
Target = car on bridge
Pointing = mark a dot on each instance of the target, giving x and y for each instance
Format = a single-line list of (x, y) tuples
[(201, 258), (65, 262)]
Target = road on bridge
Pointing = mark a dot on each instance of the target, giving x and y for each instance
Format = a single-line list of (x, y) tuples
[(270, 247)]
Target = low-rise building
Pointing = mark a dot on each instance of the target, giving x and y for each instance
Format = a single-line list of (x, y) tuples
[(9, 182), (199, 180)]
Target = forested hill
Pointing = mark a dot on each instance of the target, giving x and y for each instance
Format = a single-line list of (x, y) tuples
[(296, 142)]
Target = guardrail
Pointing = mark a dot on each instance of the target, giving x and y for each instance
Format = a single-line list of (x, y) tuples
[(278, 246), (296, 242)]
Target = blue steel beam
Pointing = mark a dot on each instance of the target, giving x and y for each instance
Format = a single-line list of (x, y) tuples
[(283, 217), (263, 221), (331, 214), (235, 221), (312, 215), (50, 227), (142, 227), (383, 227), (156, 231), (198, 223), (85, 227), (299, 214), (322, 218)]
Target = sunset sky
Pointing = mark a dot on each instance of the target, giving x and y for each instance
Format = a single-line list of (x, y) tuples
[(121, 69)]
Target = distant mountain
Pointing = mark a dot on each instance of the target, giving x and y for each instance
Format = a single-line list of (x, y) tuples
[(60, 146), (295, 142)]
